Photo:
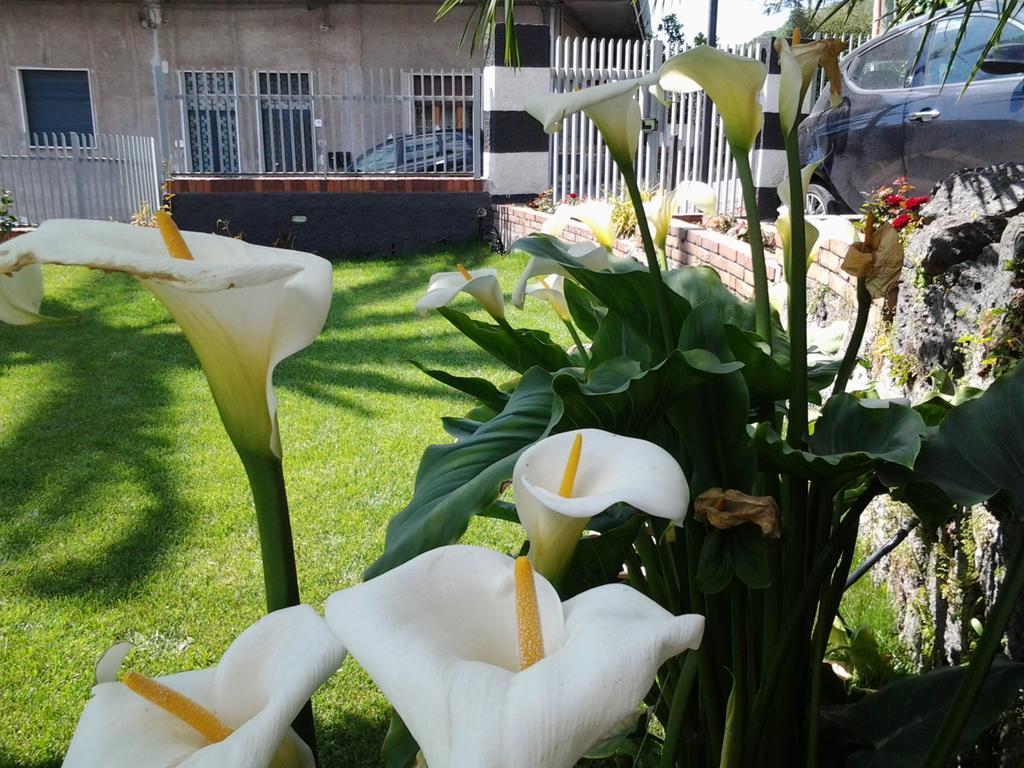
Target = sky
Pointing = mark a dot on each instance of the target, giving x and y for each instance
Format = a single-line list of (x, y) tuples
[(738, 20)]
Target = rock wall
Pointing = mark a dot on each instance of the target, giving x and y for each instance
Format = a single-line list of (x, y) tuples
[(960, 309)]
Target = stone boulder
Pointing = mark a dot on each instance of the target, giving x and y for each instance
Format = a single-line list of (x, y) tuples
[(968, 211), (958, 271)]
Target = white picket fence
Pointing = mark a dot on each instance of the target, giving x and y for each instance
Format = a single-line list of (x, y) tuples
[(87, 176), (671, 146)]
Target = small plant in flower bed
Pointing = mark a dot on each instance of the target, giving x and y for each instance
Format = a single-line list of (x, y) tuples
[(896, 204), (623, 213), (737, 228), (545, 202)]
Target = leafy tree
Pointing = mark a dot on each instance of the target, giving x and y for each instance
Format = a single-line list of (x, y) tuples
[(672, 30), (831, 19)]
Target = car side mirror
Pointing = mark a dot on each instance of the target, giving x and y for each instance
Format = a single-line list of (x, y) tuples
[(1006, 60)]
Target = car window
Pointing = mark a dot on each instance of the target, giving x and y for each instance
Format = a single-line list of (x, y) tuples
[(979, 30), (888, 64), (377, 159)]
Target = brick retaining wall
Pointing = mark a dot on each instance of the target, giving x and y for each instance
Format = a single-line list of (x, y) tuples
[(689, 243)]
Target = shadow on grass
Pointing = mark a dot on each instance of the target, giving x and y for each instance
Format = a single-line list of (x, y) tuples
[(96, 426), (339, 360), (351, 740), (101, 419)]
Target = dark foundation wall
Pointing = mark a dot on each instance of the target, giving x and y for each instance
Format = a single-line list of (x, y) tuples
[(336, 224)]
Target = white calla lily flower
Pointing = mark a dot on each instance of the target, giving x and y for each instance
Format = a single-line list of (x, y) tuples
[(552, 290), (817, 229), (609, 469), (732, 82), (662, 207), (596, 215), (784, 228), (588, 255), (481, 284), (798, 64), (21, 295), (244, 706), (610, 106), (806, 174), (442, 637), (244, 308)]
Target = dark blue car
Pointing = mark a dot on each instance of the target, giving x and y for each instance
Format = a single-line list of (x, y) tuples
[(897, 119)]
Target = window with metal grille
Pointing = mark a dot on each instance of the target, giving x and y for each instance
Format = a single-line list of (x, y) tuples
[(442, 101), (211, 121), (286, 122), (57, 104)]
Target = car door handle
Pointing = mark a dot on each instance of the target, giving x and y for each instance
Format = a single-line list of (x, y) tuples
[(924, 116)]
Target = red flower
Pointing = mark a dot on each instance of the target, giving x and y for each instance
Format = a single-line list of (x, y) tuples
[(893, 199), (915, 202), (901, 221), (572, 195)]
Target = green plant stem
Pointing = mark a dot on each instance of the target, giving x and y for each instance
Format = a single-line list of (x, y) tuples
[(660, 289), (656, 581), (677, 712), (826, 614), (733, 752), (578, 341), (823, 566), (762, 308), (797, 431), (710, 702), (944, 747), (266, 478), (856, 338)]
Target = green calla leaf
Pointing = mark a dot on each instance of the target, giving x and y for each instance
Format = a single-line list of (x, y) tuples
[(850, 437), (703, 285), (481, 389), (767, 371), (978, 449), (456, 481), (626, 288), (714, 566), (584, 309), (895, 727), (598, 559), (750, 556), (621, 397), (712, 418), (766, 377), (526, 349), (615, 338), (741, 552), (460, 429), (399, 749)]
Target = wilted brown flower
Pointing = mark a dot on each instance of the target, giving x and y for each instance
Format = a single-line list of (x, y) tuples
[(879, 259), (727, 509)]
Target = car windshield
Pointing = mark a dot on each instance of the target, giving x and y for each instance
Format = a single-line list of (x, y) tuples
[(380, 158)]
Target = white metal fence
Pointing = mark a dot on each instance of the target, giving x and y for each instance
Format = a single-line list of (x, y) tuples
[(239, 122), (79, 176), (671, 147)]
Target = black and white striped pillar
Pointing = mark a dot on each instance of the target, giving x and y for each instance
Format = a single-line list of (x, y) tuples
[(769, 158), (515, 149)]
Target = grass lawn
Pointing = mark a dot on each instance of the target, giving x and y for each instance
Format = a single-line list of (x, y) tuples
[(124, 511)]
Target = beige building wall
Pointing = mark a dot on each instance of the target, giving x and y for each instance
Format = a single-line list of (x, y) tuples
[(108, 39)]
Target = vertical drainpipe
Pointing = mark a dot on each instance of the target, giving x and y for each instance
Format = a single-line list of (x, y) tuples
[(705, 138), (153, 19)]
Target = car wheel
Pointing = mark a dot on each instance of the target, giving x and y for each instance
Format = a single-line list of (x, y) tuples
[(820, 202)]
